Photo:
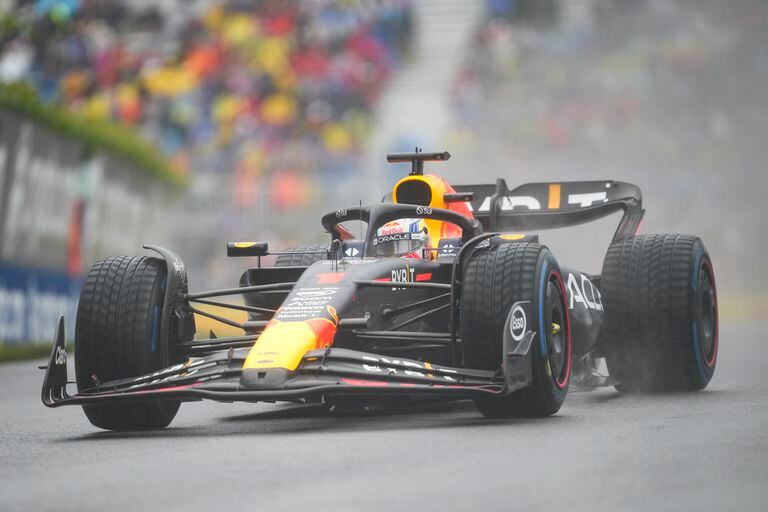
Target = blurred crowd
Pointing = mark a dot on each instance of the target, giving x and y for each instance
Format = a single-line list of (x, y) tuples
[(576, 73), (669, 94), (268, 91)]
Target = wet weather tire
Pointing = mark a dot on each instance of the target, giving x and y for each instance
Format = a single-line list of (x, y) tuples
[(661, 321), (301, 256), (496, 277), (117, 336)]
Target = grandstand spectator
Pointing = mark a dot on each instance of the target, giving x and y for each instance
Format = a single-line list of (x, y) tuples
[(254, 88)]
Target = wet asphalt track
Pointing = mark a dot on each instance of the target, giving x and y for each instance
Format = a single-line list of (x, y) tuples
[(603, 451)]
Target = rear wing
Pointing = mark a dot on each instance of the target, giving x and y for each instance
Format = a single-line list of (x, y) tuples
[(535, 206)]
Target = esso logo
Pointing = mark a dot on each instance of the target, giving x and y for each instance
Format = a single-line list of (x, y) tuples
[(423, 210), (518, 323)]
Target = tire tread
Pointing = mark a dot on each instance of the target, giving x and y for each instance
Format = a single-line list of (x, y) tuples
[(113, 337)]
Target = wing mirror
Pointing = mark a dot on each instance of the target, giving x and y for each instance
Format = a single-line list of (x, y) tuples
[(237, 249)]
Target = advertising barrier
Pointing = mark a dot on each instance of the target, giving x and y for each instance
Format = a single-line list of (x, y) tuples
[(62, 207), (31, 300)]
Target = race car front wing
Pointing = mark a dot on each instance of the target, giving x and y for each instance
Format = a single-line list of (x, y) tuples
[(325, 373)]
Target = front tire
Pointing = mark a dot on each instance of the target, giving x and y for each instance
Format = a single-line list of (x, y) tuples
[(661, 319), (117, 336), (496, 277)]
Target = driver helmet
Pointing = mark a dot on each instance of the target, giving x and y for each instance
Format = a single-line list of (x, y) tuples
[(401, 237)]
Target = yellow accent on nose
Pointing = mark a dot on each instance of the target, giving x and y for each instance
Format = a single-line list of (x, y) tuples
[(281, 345), (556, 329)]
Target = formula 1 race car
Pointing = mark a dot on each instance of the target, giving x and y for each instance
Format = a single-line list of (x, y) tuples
[(448, 295)]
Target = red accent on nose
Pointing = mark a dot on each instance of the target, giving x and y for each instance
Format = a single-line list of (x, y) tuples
[(324, 331), (372, 383), (424, 277), (330, 277)]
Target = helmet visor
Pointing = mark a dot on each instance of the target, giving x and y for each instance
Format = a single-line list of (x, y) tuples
[(398, 244)]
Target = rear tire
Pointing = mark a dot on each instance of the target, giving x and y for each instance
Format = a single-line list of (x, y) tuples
[(661, 321), (117, 336), (496, 277), (301, 256)]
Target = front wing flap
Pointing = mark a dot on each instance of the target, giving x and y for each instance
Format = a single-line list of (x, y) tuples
[(331, 372)]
